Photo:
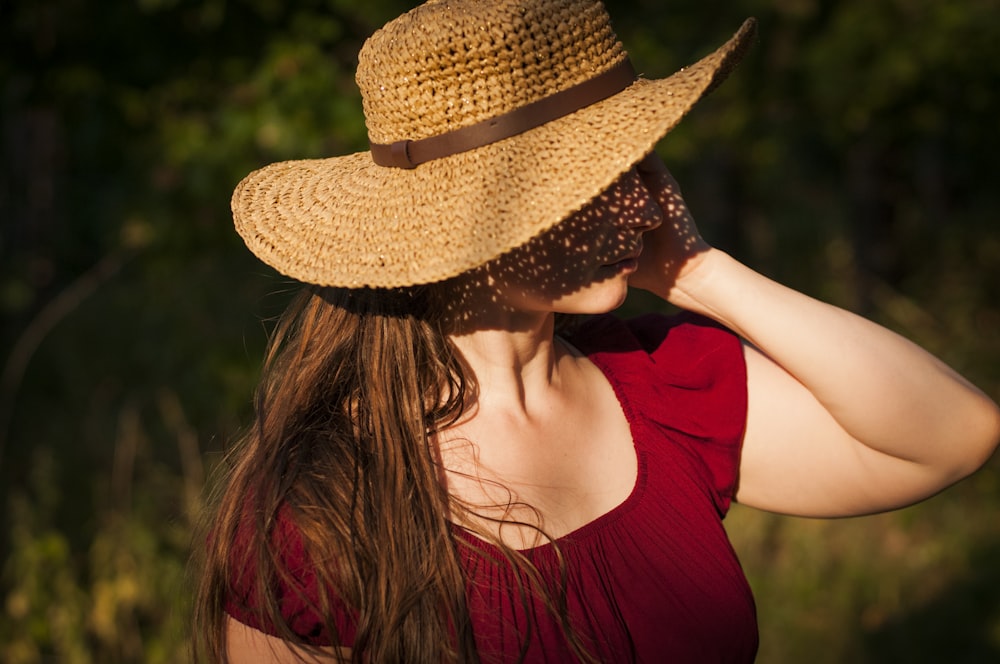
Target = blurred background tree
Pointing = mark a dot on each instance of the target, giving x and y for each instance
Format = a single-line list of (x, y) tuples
[(852, 156)]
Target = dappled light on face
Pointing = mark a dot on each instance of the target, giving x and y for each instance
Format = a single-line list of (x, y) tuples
[(591, 246)]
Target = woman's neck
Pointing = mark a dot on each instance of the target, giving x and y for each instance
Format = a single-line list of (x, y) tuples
[(514, 362)]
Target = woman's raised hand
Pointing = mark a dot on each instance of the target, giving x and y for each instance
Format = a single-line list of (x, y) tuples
[(674, 249), (844, 416)]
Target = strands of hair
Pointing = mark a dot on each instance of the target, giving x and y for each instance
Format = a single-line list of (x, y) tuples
[(356, 383)]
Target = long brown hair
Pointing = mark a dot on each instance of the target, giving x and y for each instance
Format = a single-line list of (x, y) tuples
[(355, 385)]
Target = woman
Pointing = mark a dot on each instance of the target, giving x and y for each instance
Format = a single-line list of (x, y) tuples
[(437, 474)]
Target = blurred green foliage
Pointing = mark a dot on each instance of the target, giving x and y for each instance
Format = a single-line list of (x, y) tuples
[(852, 156)]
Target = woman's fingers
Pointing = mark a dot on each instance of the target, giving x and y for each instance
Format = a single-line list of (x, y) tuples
[(668, 250)]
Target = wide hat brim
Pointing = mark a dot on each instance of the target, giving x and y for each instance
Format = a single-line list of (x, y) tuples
[(347, 222)]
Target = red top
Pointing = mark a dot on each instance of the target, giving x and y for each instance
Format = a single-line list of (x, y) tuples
[(655, 579)]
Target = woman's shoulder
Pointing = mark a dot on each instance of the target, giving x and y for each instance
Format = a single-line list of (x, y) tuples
[(678, 341), (683, 379), (682, 370), (290, 581)]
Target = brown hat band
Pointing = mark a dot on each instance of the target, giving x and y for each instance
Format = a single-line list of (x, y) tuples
[(408, 154)]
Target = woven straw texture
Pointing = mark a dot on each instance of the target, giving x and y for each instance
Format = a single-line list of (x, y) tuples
[(345, 221)]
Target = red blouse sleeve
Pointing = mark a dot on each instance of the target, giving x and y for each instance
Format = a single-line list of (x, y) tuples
[(687, 375), (298, 594)]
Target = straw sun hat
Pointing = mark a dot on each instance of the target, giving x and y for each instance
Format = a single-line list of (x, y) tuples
[(489, 122)]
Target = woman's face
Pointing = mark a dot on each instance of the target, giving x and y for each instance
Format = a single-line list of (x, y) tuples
[(580, 266)]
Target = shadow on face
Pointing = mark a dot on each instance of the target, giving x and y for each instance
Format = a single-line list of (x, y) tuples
[(575, 256)]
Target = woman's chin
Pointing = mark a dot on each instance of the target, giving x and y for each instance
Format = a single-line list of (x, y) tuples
[(599, 298)]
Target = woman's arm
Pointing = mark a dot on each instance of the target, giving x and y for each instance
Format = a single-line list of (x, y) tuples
[(845, 417), (246, 645)]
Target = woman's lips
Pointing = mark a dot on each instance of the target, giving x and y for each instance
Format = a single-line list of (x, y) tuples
[(630, 260), (628, 264)]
